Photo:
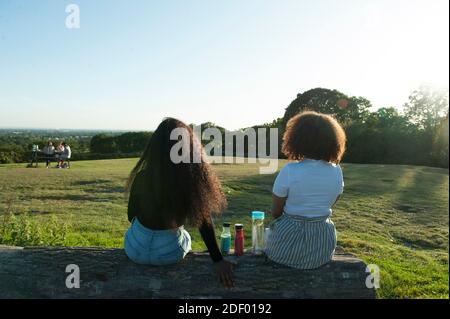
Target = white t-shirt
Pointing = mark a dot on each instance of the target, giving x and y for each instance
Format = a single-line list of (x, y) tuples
[(311, 187), (67, 151)]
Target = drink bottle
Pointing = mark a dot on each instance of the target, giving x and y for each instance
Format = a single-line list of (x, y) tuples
[(239, 239), (257, 232), (225, 239)]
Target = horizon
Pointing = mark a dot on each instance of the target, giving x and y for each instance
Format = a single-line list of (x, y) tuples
[(234, 64), (62, 129)]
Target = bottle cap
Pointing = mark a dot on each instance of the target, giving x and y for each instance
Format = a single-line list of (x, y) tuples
[(226, 224), (238, 226), (257, 215)]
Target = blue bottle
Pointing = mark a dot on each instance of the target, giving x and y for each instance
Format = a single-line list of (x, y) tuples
[(225, 239)]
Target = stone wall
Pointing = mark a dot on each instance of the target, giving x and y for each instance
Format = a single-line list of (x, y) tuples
[(107, 273)]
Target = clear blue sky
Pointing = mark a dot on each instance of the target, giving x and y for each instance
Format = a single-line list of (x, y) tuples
[(235, 63)]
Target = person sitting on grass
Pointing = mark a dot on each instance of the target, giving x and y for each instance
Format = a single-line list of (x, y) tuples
[(164, 195), (65, 155), (302, 234)]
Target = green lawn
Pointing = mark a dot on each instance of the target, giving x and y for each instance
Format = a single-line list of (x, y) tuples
[(394, 216)]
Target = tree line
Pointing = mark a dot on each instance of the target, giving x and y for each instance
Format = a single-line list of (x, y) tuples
[(417, 135), (16, 144), (130, 143)]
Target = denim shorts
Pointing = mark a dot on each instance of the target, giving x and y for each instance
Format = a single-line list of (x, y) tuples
[(156, 247)]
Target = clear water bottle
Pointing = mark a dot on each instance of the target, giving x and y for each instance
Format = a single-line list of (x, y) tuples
[(257, 232)]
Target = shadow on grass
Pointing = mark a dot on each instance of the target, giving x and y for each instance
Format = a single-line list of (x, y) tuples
[(70, 197), (90, 182), (424, 198), (105, 190)]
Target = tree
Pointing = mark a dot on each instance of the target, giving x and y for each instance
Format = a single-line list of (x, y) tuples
[(345, 109), (386, 137), (427, 107), (132, 141), (103, 144), (440, 148)]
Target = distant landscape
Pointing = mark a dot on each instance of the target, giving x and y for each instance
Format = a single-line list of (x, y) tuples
[(416, 136)]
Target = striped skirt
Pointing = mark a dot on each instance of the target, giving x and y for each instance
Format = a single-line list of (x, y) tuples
[(300, 242)]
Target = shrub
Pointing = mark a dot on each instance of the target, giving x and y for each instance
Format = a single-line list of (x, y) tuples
[(22, 230)]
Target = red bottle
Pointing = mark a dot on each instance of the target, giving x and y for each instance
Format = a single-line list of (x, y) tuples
[(239, 239)]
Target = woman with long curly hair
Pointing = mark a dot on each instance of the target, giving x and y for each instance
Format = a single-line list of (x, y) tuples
[(165, 194)]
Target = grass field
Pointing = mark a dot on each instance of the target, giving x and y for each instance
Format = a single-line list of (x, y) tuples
[(391, 215)]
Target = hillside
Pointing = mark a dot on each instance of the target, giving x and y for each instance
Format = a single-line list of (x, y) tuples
[(391, 215)]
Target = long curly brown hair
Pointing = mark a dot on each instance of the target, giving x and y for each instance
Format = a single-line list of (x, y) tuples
[(182, 191)]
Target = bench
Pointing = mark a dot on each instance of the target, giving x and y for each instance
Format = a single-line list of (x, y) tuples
[(108, 273), (37, 156)]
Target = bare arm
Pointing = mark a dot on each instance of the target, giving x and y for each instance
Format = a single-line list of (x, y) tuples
[(337, 198), (277, 206)]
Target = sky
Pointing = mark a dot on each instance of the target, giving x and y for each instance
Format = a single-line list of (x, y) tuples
[(234, 63)]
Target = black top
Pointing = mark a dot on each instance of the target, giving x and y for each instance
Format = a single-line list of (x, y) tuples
[(138, 206)]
